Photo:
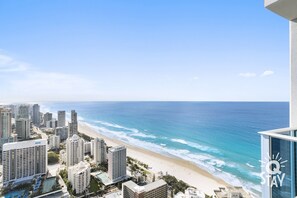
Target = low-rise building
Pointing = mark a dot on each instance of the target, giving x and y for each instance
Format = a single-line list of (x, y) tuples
[(157, 189), (190, 193), (231, 192)]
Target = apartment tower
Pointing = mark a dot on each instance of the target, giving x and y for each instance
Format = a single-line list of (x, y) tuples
[(117, 163), (24, 160)]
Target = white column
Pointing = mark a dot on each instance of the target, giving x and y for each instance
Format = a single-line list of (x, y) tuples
[(293, 99), (293, 67), (265, 150)]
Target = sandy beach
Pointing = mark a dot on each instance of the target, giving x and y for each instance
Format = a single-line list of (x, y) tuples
[(181, 169)]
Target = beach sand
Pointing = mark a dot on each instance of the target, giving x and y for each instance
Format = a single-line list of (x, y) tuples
[(181, 169)]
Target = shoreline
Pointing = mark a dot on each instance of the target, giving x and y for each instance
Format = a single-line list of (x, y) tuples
[(181, 169)]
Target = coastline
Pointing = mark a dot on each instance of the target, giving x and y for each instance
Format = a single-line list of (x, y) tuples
[(181, 169)]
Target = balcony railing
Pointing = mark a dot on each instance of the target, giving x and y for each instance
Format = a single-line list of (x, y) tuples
[(278, 162), (288, 134)]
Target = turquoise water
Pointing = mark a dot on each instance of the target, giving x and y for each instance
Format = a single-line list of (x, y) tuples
[(220, 137), (16, 194), (48, 184)]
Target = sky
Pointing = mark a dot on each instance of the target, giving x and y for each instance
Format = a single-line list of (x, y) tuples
[(148, 50)]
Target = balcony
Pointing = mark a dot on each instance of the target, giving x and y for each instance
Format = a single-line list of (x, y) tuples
[(278, 162), (284, 8)]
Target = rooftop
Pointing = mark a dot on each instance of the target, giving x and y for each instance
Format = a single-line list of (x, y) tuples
[(232, 192), (117, 148), (81, 166), (133, 186), (24, 144)]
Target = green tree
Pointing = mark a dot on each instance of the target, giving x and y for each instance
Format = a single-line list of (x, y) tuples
[(52, 158)]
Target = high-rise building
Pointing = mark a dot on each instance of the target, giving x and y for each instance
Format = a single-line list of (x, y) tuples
[(5, 127), (61, 118), (13, 110), (99, 151), (63, 156), (117, 163), (51, 123), (79, 176), (157, 189), (23, 111), (62, 132), (75, 150), (47, 117), (73, 126), (73, 116), (36, 115), (5, 123), (54, 142), (23, 128), (92, 147), (24, 160), (278, 147), (87, 147)]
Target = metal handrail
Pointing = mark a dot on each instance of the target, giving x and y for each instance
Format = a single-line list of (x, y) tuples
[(277, 133)]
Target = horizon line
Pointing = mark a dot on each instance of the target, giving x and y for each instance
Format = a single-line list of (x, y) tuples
[(210, 101)]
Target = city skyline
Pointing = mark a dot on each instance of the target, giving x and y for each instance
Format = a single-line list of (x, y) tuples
[(146, 51)]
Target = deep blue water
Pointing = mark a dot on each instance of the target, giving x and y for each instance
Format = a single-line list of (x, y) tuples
[(220, 137)]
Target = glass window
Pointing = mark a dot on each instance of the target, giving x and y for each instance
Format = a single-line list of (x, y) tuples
[(281, 168)]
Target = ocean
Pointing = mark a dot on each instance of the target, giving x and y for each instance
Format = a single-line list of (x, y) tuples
[(220, 137)]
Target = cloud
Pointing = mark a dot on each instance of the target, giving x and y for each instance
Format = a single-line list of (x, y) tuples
[(248, 75), (267, 73), (9, 64), (31, 84), (51, 86)]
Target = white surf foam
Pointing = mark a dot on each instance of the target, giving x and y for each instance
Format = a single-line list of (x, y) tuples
[(135, 132), (204, 161), (196, 145)]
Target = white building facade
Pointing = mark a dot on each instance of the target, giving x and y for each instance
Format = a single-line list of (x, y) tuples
[(24, 160), (75, 150), (54, 142), (117, 163), (100, 154), (79, 176), (157, 189)]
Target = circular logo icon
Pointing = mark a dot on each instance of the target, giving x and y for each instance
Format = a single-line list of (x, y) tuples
[(273, 167)]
